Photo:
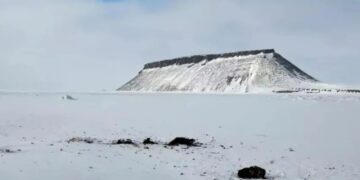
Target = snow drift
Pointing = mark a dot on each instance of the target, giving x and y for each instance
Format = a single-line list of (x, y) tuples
[(244, 71)]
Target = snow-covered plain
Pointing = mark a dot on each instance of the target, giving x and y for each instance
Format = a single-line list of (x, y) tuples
[(294, 136)]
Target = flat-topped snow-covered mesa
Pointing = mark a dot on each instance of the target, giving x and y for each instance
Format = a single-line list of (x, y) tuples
[(244, 71)]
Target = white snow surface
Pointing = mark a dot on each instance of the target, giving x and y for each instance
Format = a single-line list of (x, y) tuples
[(261, 72), (237, 131)]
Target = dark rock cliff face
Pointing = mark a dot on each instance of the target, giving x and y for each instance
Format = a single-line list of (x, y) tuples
[(199, 58)]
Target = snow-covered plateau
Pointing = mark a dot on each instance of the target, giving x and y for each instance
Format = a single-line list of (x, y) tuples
[(237, 72), (293, 136)]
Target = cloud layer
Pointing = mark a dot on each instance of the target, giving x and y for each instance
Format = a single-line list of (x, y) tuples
[(89, 45)]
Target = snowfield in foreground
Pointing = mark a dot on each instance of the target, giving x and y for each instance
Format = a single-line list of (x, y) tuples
[(291, 136)]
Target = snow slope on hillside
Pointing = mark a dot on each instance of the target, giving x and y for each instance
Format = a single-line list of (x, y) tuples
[(245, 72), (292, 137)]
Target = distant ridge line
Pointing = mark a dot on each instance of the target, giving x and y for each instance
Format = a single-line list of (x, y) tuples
[(199, 58)]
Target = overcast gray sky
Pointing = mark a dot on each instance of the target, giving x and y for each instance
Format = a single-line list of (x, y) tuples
[(90, 45)]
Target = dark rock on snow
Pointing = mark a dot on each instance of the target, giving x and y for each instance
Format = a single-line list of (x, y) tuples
[(183, 141), (80, 139), (253, 172), (124, 141), (149, 141), (68, 97), (9, 151)]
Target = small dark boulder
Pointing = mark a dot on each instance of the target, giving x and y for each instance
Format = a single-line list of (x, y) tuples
[(149, 141), (253, 172), (68, 97), (183, 141), (124, 141)]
